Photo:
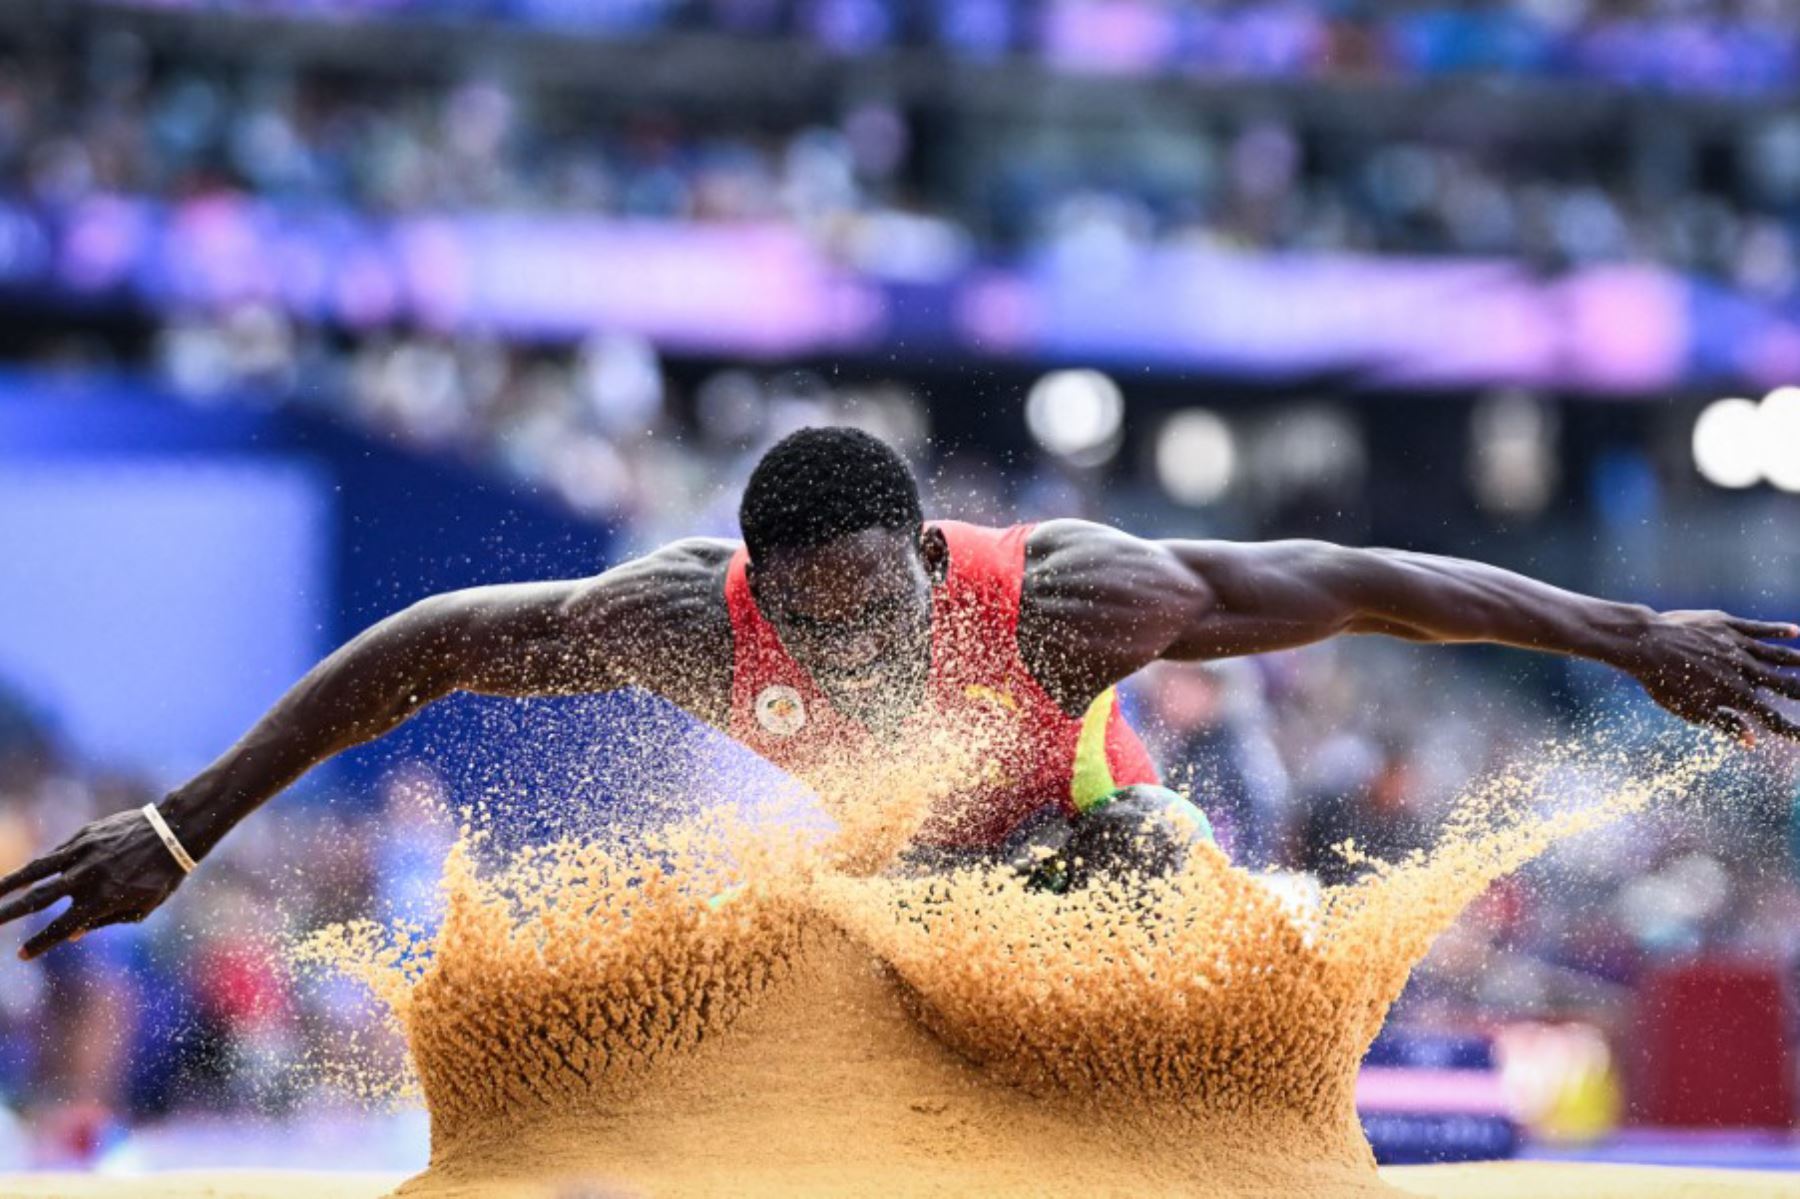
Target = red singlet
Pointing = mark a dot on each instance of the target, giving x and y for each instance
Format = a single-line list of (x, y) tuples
[(1031, 752)]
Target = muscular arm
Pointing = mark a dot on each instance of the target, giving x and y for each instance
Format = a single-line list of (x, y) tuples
[(656, 622), (1101, 604), (643, 623), (1282, 593)]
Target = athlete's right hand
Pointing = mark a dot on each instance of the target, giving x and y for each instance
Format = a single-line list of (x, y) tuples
[(116, 871)]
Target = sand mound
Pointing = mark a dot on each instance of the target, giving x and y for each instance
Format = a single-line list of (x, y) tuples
[(832, 1088), (722, 1012)]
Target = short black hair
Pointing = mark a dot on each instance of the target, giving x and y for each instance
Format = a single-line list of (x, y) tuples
[(817, 485)]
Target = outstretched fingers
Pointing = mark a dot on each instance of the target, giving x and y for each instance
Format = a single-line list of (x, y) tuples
[(1776, 722), (1781, 684), (71, 923), (1774, 655), (1776, 630), (37, 869), (1732, 723), (34, 900)]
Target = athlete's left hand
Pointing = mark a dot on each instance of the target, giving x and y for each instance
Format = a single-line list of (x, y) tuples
[(1719, 670)]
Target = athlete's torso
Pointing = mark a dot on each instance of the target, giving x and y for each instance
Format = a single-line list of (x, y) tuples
[(982, 704)]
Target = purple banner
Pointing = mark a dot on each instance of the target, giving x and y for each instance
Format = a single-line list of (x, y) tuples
[(768, 291), (756, 290), (1399, 322)]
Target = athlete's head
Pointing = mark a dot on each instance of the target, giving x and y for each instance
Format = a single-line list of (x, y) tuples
[(840, 561)]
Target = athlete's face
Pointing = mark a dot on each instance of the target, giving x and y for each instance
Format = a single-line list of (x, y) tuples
[(855, 613)]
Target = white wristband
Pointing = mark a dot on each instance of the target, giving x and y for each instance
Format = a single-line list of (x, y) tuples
[(168, 838)]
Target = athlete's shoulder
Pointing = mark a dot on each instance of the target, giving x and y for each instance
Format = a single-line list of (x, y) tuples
[(694, 552), (1098, 603), (664, 614), (1078, 569), (675, 579), (680, 565), (1066, 550)]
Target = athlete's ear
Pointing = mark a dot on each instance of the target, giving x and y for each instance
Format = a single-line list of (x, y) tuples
[(935, 549)]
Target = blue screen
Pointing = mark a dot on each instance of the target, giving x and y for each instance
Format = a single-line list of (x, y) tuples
[(153, 606)]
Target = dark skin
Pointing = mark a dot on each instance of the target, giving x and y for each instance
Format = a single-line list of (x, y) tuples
[(1099, 604)]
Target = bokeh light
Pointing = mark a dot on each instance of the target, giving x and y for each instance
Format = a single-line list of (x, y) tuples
[(1196, 457), (1513, 453), (1778, 438), (1726, 449), (1076, 415)]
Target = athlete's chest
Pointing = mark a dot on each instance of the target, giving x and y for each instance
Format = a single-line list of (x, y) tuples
[(971, 712), (972, 687)]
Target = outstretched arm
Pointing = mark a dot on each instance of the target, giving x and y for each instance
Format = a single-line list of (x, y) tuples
[(555, 638), (1119, 602)]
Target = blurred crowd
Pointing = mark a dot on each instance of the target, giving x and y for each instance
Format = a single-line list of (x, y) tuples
[(878, 184), (601, 428), (106, 116), (199, 1010), (1678, 45)]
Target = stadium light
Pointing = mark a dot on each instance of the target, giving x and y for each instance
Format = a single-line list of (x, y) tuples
[(1778, 438), (1312, 448), (1727, 443), (1077, 415), (1196, 457), (1512, 453)]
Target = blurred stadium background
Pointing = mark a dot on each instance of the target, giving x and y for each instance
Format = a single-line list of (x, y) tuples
[(311, 307)]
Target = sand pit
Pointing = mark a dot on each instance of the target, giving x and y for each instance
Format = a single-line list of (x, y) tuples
[(720, 1012), (717, 1011)]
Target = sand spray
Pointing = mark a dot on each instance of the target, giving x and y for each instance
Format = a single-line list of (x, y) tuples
[(730, 1006)]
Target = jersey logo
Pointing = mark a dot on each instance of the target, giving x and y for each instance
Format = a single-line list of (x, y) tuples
[(780, 710)]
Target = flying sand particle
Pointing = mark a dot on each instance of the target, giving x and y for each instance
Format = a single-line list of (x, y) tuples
[(725, 1008)]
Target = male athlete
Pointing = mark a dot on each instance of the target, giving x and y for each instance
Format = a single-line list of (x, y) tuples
[(844, 619)]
